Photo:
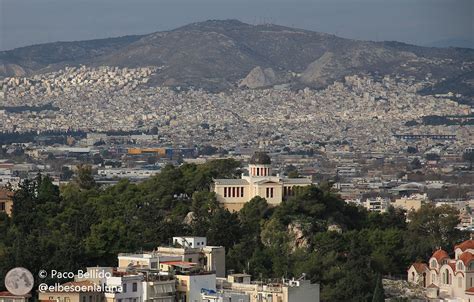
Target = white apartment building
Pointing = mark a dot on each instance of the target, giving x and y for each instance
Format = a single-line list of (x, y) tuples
[(191, 242)]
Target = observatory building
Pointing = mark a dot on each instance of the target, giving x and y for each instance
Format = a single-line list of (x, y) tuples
[(234, 193)]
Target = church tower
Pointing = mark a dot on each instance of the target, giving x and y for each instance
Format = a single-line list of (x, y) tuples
[(260, 165)]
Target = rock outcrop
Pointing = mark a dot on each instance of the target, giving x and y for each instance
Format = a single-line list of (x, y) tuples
[(259, 78)]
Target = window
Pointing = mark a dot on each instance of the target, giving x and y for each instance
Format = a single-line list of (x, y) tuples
[(241, 191), (460, 266), (2, 206), (433, 263), (269, 193), (446, 277), (134, 287), (90, 298), (125, 287), (225, 191), (233, 191)]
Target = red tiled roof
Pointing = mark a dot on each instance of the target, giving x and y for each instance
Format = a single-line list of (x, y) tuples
[(468, 244), (440, 255), (9, 294), (420, 267), (470, 291), (466, 257), (5, 194)]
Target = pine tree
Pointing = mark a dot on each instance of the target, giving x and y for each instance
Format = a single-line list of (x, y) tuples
[(378, 292)]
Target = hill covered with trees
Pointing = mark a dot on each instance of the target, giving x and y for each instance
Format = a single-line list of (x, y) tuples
[(344, 248)]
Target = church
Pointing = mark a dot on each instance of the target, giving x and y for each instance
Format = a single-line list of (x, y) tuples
[(234, 193), (445, 278)]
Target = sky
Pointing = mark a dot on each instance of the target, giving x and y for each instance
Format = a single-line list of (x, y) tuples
[(421, 22)]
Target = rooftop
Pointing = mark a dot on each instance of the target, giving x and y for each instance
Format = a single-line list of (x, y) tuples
[(260, 158)]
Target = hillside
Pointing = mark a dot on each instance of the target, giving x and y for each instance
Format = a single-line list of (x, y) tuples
[(216, 55)]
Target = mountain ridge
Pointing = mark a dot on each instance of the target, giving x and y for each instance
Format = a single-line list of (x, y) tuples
[(218, 54)]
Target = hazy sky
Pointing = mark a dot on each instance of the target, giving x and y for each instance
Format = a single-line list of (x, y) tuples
[(26, 22)]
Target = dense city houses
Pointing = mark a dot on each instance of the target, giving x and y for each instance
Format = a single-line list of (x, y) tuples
[(374, 141), (187, 271), (363, 112)]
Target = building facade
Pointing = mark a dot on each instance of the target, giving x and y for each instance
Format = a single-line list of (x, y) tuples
[(6, 296), (240, 286), (6, 201), (260, 181)]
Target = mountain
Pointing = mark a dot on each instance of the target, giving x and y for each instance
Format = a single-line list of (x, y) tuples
[(460, 42), (219, 54)]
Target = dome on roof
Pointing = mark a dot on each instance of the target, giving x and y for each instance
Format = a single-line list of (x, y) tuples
[(260, 158), (440, 255), (466, 257), (468, 244)]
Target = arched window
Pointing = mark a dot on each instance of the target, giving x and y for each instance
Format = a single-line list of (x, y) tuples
[(460, 266), (446, 277), (433, 263), (413, 276)]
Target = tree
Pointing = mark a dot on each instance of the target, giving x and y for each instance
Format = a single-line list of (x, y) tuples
[(84, 178), (379, 291), (437, 227), (252, 215), (66, 173), (293, 174)]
